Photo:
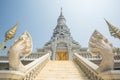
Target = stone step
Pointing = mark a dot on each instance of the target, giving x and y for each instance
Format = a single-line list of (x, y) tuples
[(80, 78), (61, 70)]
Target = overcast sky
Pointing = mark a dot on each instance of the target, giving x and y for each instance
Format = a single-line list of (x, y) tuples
[(39, 18)]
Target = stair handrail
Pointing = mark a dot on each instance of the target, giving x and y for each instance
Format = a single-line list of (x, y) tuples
[(88, 67), (31, 70), (34, 67)]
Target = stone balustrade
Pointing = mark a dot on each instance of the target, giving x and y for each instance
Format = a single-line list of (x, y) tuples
[(31, 70), (89, 69), (89, 56), (5, 58), (34, 56)]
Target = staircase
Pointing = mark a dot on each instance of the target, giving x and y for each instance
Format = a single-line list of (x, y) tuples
[(61, 70)]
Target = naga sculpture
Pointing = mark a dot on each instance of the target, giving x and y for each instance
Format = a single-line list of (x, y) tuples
[(22, 46), (98, 44)]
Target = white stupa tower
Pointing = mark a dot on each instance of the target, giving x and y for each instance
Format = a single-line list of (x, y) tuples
[(61, 44)]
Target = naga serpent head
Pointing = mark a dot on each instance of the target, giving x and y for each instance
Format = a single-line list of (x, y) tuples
[(23, 44), (98, 44)]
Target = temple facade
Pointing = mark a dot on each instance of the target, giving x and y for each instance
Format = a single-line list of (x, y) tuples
[(61, 45)]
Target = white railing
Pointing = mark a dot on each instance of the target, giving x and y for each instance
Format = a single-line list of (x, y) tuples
[(90, 69), (87, 66), (31, 70)]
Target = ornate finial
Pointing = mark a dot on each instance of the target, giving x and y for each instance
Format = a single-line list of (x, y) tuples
[(9, 35), (109, 25), (114, 31)]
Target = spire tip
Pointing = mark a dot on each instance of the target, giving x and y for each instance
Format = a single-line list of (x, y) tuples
[(61, 11)]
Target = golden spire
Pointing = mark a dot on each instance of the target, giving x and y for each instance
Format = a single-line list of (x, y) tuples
[(9, 35), (114, 31)]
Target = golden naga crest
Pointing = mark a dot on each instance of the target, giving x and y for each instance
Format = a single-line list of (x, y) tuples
[(9, 35), (114, 31)]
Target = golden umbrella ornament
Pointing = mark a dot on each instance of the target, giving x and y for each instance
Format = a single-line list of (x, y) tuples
[(9, 35)]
